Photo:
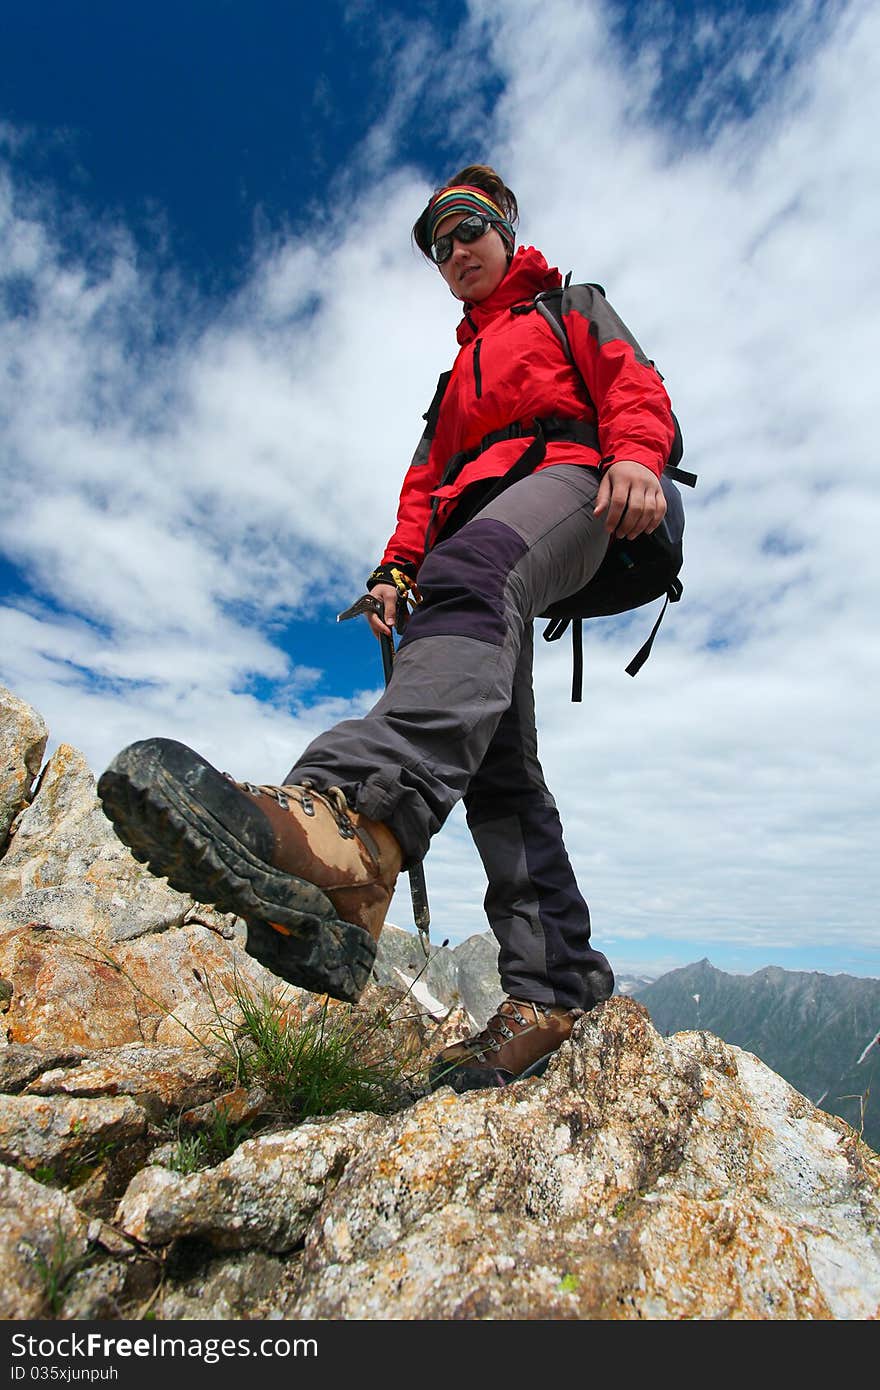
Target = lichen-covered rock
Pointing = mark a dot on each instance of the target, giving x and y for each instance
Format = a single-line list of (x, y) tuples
[(21, 1063), (43, 1239), (170, 988), (163, 1080), (69, 994), (223, 1288), (67, 869), (99, 1292), (264, 1196), (23, 738), (64, 1135), (641, 1177)]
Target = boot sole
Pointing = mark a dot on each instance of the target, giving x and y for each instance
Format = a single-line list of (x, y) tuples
[(463, 1079), (155, 814)]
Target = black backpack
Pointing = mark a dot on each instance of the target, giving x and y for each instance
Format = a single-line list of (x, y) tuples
[(633, 572)]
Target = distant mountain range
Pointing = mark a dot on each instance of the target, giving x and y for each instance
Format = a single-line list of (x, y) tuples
[(820, 1032)]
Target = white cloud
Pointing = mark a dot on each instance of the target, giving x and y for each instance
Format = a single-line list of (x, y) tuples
[(171, 502)]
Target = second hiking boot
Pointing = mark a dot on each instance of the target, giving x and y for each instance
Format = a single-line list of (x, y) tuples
[(517, 1042), (311, 877)]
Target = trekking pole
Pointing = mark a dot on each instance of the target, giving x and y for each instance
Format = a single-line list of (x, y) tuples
[(387, 645), (417, 887)]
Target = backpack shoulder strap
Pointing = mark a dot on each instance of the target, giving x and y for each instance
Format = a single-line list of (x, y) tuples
[(549, 305), (430, 415)]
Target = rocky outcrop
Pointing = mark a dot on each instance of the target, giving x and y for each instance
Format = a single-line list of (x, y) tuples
[(23, 739), (43, 1240), (144, 1168), (639, 1178), (164, 988), (818, 1031), (65, 868)]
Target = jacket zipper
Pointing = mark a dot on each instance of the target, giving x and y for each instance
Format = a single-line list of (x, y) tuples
[(478, 376)]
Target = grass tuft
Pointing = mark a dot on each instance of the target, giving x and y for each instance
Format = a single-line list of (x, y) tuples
[(57, 1267), (310, 1054), (316, 1061)]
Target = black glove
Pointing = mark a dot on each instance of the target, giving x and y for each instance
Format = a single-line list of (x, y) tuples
[(403, 577), (402, 574)]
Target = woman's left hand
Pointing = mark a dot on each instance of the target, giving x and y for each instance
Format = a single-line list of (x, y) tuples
[(633, 498), (387, 595)]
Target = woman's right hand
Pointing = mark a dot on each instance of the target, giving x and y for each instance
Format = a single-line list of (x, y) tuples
[(387, 596)]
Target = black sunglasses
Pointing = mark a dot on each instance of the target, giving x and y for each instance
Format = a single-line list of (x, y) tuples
[(470, 228)]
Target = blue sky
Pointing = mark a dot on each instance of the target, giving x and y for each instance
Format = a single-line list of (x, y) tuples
[(217, 343)]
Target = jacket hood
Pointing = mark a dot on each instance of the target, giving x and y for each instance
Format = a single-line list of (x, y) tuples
[(527, 276)]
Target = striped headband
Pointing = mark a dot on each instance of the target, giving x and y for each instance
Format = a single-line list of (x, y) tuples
[(465, 198)]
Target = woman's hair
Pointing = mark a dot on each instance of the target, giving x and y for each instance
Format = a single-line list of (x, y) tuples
[(477, 176)]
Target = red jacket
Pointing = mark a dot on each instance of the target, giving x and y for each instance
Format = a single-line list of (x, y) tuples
[(511, 367)]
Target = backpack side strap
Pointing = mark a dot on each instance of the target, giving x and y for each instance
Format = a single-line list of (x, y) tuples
[(552, 632), (673, 595), (556, 627), (680, 475)]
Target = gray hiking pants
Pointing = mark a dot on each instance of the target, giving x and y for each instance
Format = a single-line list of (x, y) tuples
[(457, 720)]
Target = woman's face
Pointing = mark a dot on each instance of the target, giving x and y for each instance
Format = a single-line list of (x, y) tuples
[(475, 268)]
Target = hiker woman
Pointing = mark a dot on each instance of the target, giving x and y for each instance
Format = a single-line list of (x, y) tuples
[(529, 462)]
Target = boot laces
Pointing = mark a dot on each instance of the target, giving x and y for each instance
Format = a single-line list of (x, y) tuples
[(497, 1031), (305, 793)]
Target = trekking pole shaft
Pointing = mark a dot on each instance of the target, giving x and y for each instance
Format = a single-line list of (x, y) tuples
[(387, 655), (418, 887)]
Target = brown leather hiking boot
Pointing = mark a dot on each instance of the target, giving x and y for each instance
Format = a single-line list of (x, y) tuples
[(311, 877), (517, 1042)]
